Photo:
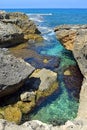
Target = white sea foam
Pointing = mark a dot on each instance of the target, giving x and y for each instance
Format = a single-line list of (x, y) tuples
[(46, 38), (45, 29), (36, 18), (52, 33), (39, 14)]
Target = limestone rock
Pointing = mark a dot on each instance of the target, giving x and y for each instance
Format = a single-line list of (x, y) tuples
[(10, 35), (66, 34), (13, 73), (27, 96), (4, 15), (13, 114), (80, 124), (24, 23), (27, 26), (30, 125), (16, 28), (4, 125), (67, 72), (79, 49), (82, 111), (25, 107), (44, 82), (47, 78), (38, 125)]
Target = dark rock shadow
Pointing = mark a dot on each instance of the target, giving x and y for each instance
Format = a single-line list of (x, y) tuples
[(31, 84)]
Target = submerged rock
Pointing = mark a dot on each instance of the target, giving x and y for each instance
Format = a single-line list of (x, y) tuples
[(73, 80), (34, 58), (13, 73), (40, 84)]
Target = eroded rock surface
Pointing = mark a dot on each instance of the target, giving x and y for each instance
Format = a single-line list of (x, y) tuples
[(38, 125), (39, 85), (13, 72), (77, 43), (44, 81), (16, 28), (27, 96), (46, 78), (67, 34), (31, 125), (10, 35)]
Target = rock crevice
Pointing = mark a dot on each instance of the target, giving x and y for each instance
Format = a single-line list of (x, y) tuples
[(77, 43)]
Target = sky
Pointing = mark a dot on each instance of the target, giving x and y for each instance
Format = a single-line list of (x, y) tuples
[(43, 3)]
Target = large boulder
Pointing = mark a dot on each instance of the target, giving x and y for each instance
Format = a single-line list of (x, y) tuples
[(13, 72), (77, 43), (22, 21), (66, 34), (39, 85), (44, 81), (16, 28), (10, 35), (46, 78)]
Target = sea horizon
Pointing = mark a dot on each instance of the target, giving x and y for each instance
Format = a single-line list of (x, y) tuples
[(42, 8), (46, 19)]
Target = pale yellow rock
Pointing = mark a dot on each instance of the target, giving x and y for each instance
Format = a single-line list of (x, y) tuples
[(13, 114), (25, 107), (45, 61), (46, 82), (67, 72)]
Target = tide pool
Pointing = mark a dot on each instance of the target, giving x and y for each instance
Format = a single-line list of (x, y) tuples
[(61, 105)]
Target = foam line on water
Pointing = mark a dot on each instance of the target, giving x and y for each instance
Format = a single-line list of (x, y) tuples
[(36, 19), (45, 29), (39, 14)]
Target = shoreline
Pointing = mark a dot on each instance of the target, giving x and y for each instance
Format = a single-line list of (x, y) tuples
[(51, 92)]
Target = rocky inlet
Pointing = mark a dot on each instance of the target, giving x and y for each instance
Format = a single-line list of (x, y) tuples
[(74, 38), (25, 86)]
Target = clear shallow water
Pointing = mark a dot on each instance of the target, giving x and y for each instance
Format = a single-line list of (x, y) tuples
[(60, 106)]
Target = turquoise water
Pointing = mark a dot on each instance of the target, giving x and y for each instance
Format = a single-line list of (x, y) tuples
[(60, 106)]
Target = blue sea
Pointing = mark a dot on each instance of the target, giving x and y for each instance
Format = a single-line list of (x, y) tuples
[(60, 106)]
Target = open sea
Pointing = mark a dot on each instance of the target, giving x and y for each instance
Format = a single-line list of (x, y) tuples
[(60, 106)]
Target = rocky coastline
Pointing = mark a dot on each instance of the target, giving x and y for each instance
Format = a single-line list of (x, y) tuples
[(20, 83), (74, 38), (16, 28), (25, 83)]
